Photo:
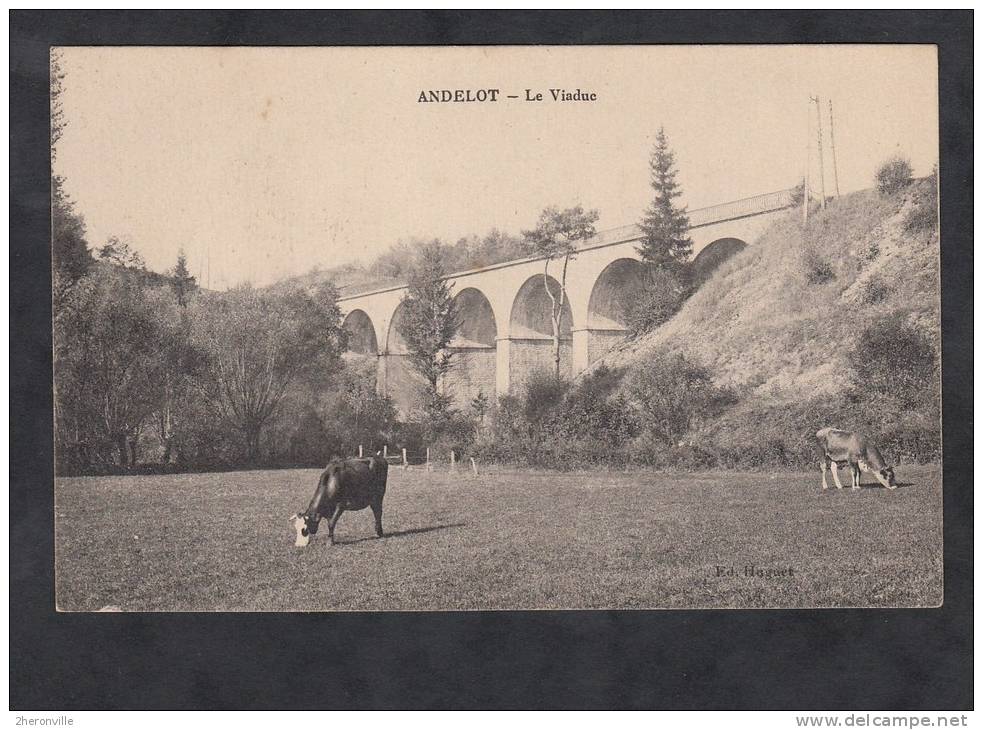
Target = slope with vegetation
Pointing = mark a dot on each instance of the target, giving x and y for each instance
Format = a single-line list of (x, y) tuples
[(833, 322)]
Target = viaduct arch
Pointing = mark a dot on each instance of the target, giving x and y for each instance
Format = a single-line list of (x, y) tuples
[(506, 332)]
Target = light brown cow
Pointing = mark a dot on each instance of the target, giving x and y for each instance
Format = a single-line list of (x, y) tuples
[(854, 449)]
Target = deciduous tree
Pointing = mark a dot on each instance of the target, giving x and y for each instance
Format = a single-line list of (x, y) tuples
[(556, 236), (429, 321), (259, 342), (107, 364)]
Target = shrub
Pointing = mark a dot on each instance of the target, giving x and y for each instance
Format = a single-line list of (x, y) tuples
[(661, 297), (541, 396), (871, 252), (798, 194), (925, 209), (874, 291), (673, 394), (893, 176), (559, 425), (817, 268), (440, 427), (894, 367)]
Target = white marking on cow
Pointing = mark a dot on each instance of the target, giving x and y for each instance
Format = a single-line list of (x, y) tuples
[(299, 525)]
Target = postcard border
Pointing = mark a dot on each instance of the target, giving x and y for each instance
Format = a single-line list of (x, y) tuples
[(726, 659)]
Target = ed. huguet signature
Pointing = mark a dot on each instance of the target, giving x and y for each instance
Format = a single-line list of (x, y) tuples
[(752, 571)]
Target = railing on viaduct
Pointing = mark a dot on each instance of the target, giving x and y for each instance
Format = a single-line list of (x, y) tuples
[(755, 205)]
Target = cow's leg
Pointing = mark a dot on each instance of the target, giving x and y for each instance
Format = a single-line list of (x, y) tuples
[(334, 521), (834, 467), (823, 466), (854, 475), (377, 513)]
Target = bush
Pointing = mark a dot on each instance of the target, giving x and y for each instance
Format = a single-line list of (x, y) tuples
[(924, 213), (870, 253), (555, 424), (656, 303), (817, 268), (673, 395), (893, 176), (542, 395), (894, 368), (798, 194), (874, 291), (440, 427)]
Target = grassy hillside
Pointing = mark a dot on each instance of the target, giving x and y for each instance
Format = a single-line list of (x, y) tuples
[(776, 322)]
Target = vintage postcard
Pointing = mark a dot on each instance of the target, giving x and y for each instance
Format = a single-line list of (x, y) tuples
[(470, 328)]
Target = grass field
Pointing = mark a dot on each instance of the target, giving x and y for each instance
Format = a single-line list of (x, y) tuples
[(505, 540)]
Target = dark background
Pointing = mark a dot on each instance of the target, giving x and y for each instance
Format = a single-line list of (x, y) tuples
[(769, 659)]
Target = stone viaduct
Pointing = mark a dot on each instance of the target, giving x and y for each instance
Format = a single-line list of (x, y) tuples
[(506, 333)]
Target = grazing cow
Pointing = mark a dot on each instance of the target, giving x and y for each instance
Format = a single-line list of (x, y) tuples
[(352, 484), (854, 449)]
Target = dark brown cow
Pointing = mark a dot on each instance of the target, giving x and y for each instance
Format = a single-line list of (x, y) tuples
[(857, 451), (352, 484)]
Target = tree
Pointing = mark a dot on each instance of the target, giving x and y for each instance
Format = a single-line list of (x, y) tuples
[(259, 343), (119, 252), (182, 282), (556, 236), (429, 322), (180, 360), (107, 365), (479, 407), (665, 242), (70, 255)]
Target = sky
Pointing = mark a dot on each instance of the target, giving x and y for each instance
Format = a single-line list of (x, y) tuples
[(261, 163)]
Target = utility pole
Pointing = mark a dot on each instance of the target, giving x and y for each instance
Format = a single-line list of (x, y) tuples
[(805, 178), (819, 136), (832, 148)]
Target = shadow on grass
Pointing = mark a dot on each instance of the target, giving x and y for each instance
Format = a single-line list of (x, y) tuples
[(402, 533), (873, 485)]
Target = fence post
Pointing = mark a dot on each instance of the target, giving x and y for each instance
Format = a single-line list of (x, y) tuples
[(429, 468), (453, 460), (360, 451), (404, 459), (474, 466), (385, 451)]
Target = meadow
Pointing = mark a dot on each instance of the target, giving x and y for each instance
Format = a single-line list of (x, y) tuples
[(502, 540)]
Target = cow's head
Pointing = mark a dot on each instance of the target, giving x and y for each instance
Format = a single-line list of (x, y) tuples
[(886, 477), (305, 526)]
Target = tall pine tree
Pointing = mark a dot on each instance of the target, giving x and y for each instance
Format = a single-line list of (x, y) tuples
[(665, 243), (182, 282)]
